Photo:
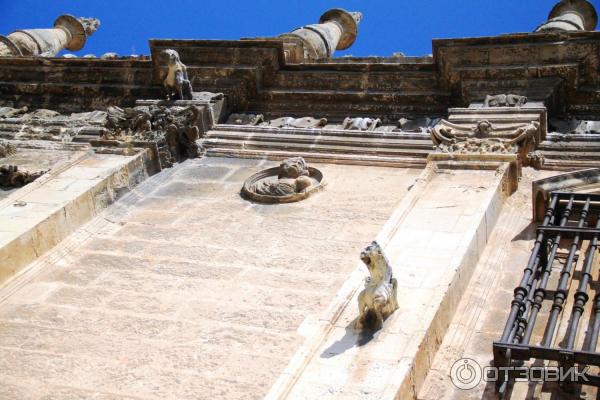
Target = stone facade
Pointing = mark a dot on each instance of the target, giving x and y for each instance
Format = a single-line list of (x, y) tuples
[(193, 223)]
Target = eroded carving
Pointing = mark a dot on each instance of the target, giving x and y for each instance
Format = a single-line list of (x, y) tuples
[(292, 181), (176, 83), (9, 112), (416, 124), (293, 178), (245, 119), (504, 100), (484, 138), (305, 122), (535, 159), (6, 149), (11, 177), (174, 129), (378, 300), (361, 124)]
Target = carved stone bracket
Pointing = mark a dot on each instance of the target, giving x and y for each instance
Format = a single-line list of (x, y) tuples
[(492, 131)]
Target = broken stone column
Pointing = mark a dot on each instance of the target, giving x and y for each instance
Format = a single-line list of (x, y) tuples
[(571, 15), (68, 33), (336, 30)]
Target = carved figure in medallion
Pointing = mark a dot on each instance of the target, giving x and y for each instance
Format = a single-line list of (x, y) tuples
[(293, 178)]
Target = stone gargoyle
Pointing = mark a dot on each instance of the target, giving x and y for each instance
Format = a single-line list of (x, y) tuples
[(293, 177), (504, 100), (176, 82), (361, 124), (379, 298)]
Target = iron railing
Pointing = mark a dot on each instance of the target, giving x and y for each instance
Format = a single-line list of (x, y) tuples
[(571, 225)]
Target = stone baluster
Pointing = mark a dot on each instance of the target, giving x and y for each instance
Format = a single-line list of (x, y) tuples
[(571, 15), (336, 30), (68, 33)]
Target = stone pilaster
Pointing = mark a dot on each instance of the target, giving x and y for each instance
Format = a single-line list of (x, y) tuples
[(68, 33), (571, 15)]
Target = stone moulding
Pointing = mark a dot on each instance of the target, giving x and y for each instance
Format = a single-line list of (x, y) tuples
[(249, 194), (582, 181)]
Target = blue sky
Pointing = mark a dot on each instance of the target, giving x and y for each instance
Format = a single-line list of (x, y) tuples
[(388, 26)]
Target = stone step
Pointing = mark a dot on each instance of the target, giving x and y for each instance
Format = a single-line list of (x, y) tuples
[(314, 148), (332, 158), (388, 141), (567, 155)]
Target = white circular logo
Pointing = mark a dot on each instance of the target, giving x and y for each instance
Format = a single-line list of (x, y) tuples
[(466, 374)]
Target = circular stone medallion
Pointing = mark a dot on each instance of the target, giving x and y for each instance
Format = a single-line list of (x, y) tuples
[(270, 177)]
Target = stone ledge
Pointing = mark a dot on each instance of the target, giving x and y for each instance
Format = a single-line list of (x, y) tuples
[(36, 218)]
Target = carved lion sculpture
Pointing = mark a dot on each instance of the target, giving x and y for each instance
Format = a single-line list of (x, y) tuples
[(379, 299), (176, 83)]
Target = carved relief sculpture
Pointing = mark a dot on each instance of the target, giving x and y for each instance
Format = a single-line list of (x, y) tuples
[(305, 122), (11, 177), (504, 100), (174, 129), (361, 124), (484, 138), (176, 83), (292, 181), (379, 298), (245, 119), (6, 149)]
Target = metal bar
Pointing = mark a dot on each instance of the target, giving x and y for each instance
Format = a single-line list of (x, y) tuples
[(570, 231), (521, 291), (596, 327), (581, 296), (561, 292)]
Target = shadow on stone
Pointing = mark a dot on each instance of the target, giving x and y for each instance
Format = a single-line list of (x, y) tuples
[(352, 338)]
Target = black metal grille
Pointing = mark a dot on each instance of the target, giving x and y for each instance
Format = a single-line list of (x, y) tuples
[(570, 230)]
